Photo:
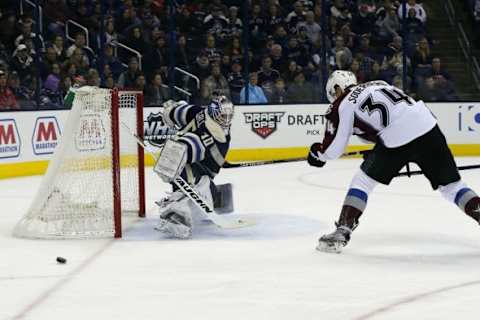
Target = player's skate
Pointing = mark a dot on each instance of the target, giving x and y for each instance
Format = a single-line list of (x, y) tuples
[(335, 241), (175, 218)]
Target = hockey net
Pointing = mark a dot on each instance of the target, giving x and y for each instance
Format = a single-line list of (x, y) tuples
[(96, 176)]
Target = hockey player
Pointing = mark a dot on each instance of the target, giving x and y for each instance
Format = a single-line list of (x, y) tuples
[(403, 129), (205, 134)]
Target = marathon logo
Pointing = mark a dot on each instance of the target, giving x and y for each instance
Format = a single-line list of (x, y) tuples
[(469, 118), (91, 134), (9, 139), (155, 130), (46, 135), (263, 123)]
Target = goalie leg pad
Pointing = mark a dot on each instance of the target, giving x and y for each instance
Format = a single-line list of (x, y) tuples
[(223, 199)]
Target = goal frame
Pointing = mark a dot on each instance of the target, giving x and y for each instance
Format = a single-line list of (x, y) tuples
[(116, 166)]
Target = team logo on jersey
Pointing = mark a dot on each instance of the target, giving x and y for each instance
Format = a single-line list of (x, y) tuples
[(156, 132), (91, 134), (9, 139), (469, 118), (46, 135), (263, 123)]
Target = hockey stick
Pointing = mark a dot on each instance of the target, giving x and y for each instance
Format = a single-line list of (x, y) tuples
[(193, 195), (417, 172), (265, 162)]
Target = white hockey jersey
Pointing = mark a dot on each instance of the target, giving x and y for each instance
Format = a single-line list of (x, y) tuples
[(377, 112)]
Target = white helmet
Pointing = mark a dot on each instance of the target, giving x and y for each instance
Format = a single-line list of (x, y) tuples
[(341, 78)]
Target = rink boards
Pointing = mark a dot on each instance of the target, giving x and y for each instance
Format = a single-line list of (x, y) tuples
[(264, 132)]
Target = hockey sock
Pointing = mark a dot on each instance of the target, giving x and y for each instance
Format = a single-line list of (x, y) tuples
[(356, 200), (353, 206), (469, 202), (464, 197)]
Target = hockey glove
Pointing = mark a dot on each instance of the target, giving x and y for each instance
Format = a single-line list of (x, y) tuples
[(313, 158)]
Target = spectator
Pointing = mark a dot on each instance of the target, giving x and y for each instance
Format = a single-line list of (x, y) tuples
[(390, 26), (93, 78), (215, 83), (235, 25), (355, 68), (7, 98), (419, 11), (8, 29), (295, 17), (435, 90), (113, 62), (292, 70), (51, 95), (59, 48), (235, 80), (135, 41), (274, 18), (213, 53), (140, 83), (365, 49), (280, 36), (267, 76), (414, 27), (234, 49), (279, 93), (251, 92), (54, 11), (339, 12), (157, 92), (365, 63), (48, 60), (22, 62), (438, 72), (348, 36), (313, 29), (158, 57), (422, 59), (256, 24), (80, 61), (201, 67), (394, 47), (80, 43), (343, 55), (363, 21), (27, 34), (293, 51), (128, 77), (225, 64), (216, 23), (182, 54), (278, 59), (300, 91)]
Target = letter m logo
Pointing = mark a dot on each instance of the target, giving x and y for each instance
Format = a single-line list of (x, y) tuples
[(9, 139)]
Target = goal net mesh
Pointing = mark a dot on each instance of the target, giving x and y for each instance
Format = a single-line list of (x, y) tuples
[(75, 198)]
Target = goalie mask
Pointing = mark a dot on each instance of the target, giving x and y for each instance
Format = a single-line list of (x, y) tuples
[(342, 79), (221, 110)]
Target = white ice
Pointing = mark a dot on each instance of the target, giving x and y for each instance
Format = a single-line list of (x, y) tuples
[(414, 256)]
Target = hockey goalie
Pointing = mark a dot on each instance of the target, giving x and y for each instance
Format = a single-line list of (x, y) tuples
[(196, 155)]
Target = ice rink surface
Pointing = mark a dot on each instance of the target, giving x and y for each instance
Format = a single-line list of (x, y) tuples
[(414, 256)]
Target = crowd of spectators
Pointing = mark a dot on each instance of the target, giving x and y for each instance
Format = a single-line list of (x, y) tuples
[(284, 51)]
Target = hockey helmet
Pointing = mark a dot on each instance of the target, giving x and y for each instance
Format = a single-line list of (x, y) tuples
[(340, 78), (221, 110)]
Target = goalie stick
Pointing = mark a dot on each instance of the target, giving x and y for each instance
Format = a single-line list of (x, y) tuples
[(265, 162), (193, 195)]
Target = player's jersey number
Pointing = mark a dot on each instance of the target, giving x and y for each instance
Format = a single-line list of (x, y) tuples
[(393, 95)]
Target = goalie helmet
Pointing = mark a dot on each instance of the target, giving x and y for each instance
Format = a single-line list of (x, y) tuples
[(221, 110), (342, 79)]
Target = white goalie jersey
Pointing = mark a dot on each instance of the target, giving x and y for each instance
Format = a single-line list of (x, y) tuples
[(377, 112)]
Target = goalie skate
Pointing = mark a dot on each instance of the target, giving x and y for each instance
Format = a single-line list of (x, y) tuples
[(175, 226), (335, 241)]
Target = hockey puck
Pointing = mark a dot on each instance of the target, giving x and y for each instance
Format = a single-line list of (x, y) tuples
[(61, 260)]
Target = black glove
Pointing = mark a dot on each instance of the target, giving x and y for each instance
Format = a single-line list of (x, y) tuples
[(365, 154), (313, 156)]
